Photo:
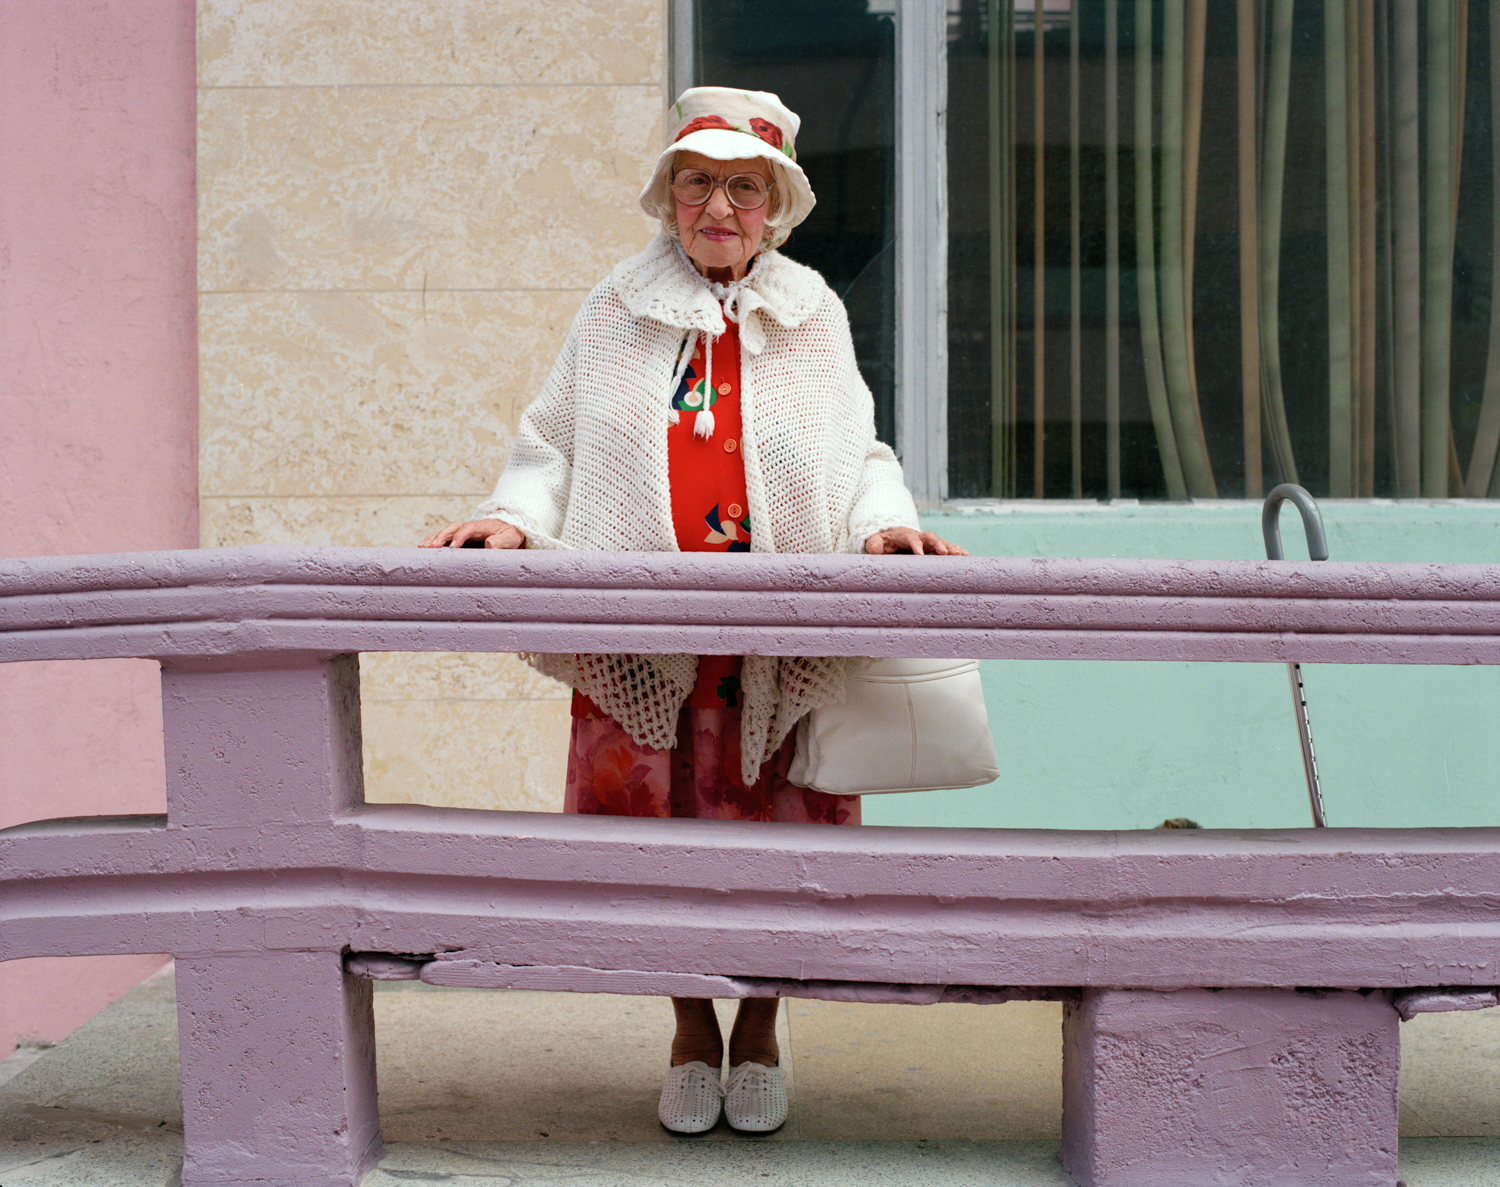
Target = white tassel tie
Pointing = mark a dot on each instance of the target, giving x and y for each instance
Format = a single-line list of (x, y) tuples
[(703, 424)]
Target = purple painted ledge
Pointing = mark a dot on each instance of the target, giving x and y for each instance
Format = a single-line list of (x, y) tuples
[(283, 895)]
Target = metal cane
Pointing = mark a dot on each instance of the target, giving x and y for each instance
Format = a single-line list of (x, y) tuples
[(1317, 549)]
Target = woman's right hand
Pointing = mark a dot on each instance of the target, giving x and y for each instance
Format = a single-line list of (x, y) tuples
[(492, 533)]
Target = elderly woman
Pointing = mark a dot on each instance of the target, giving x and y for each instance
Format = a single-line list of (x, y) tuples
[(706, 400)]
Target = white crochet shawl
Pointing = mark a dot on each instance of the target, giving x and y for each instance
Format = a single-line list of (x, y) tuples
[(589, 466)]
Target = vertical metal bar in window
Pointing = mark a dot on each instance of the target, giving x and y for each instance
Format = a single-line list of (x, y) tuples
[(1075, 278), (682, 47), (1338, 201), (1385, 255), (1250, 379), (1194, 43), (922, 247), (1112, 246), (1368, 222), (1460, 81), (1273, 186), (1181, 389), (1145, 261), (1480, 480), (1360, 222), (1000, 79), (1406, 228), (1039, 250), (1437, 286)]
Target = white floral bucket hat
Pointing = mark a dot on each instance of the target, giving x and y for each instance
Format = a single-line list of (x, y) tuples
[(725, 124)]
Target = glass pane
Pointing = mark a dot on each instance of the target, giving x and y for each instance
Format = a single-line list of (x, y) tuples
[(833, 63), (1199, 247)]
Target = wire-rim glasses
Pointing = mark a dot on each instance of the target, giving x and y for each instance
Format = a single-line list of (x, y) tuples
[(745, 191)]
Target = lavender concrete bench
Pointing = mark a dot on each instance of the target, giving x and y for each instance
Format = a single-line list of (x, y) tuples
[(1190, 1054)]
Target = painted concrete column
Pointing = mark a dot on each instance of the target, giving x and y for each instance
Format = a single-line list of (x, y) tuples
[(1252, 1087), (278, 1071), (278, 1046), (263, 744)]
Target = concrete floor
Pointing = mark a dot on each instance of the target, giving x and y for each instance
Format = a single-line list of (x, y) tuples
[(515, 1089)]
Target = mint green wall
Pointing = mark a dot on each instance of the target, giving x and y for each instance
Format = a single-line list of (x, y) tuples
[(1125, 745)]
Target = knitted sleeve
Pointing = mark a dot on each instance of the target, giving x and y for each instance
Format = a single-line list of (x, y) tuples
[(819, 478), (532, 493), (880, 498)]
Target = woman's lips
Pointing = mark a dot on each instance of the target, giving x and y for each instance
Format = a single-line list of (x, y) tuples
[(719, 233)]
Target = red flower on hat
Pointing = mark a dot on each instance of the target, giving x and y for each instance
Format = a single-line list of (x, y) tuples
[(767, 131), (702, 122)]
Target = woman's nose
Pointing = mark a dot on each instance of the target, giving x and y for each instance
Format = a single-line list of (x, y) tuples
[(718, 204)]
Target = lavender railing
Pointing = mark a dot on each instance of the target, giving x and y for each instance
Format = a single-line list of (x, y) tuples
[(281, 893)]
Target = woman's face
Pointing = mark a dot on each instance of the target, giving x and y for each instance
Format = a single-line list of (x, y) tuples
[(719, 238)]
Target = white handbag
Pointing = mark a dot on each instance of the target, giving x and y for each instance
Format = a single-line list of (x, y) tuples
[(906, 725)]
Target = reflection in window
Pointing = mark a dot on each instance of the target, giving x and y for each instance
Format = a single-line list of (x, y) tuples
[(1198, 247), (833, 63)]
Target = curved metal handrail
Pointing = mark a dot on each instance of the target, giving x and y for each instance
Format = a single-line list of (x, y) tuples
[(1317, 549), (1312, 521)]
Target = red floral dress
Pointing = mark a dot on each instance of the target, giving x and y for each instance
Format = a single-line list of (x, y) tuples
[(609, 773)]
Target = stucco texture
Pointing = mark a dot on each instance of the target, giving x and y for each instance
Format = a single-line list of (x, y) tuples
[(400, 209), (99, 413)]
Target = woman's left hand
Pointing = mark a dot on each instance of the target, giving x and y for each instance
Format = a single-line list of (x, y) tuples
[(910, 540)]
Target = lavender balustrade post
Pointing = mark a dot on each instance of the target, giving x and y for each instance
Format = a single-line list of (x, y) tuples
[(278, 1045), (1252, 1087), (278, 1071), (253, 740)]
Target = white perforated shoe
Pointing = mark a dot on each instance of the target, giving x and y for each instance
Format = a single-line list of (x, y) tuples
[(755, 1101), (691, 1098)]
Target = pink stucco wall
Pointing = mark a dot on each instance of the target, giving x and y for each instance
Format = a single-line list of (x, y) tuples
[(98, 376)]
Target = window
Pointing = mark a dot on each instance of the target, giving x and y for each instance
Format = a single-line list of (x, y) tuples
[(1152, 248)]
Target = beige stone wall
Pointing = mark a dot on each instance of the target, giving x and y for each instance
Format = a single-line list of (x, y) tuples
[(401, 205)]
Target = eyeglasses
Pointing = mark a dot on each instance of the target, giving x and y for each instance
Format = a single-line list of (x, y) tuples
[(745, 191)]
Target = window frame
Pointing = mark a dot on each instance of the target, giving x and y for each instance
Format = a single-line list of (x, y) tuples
[(922, 247)]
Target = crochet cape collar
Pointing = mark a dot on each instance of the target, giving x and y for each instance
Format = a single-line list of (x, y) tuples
[(661, 284)]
